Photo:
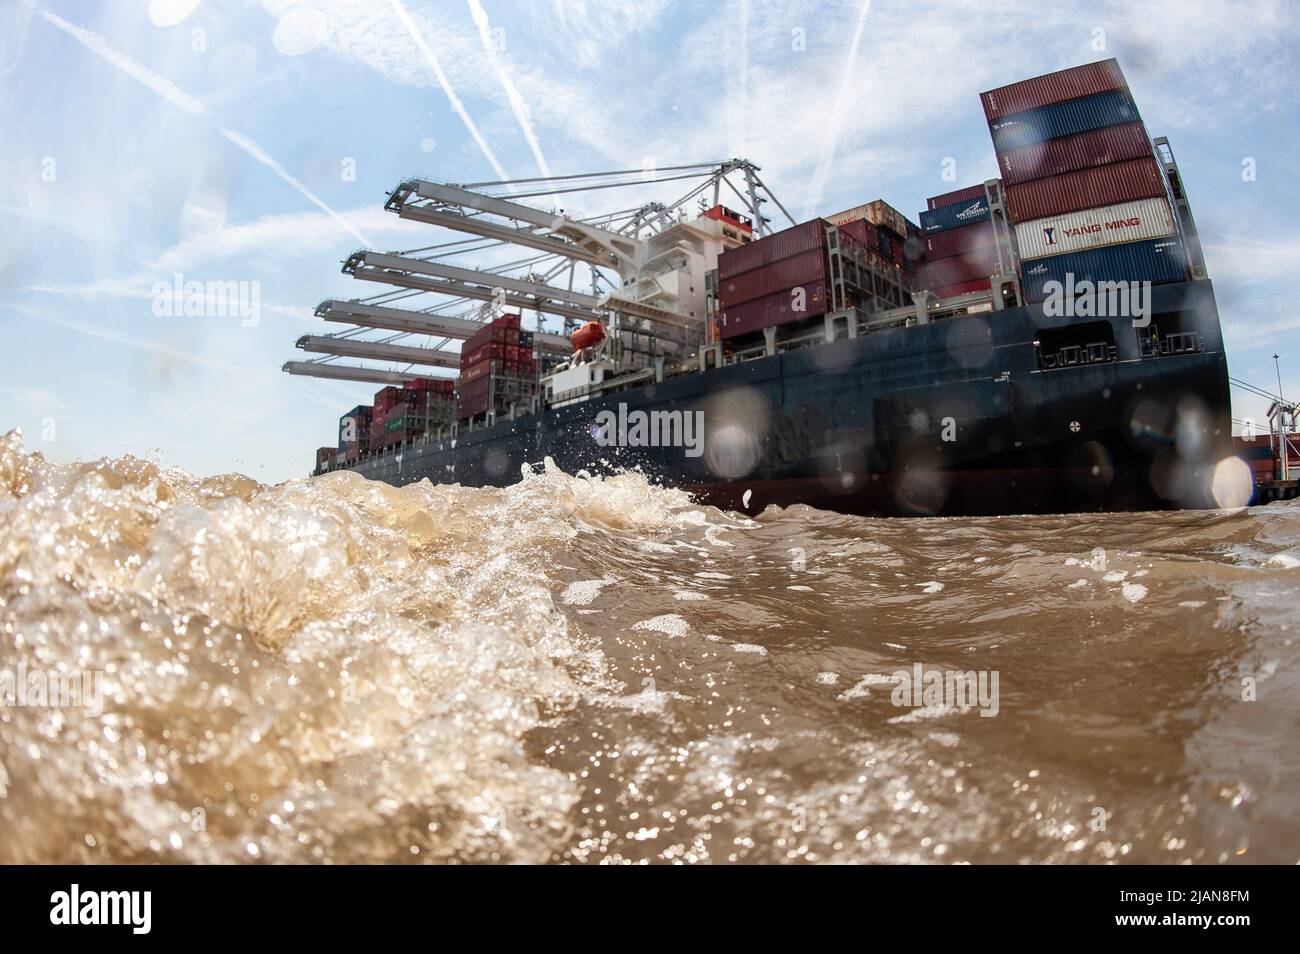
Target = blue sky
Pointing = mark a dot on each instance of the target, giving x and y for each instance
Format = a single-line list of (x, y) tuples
[(142, 138)]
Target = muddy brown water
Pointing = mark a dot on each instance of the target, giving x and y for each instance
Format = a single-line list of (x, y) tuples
[(576, 670)]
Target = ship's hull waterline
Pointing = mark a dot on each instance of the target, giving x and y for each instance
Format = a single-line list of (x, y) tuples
[(953, 417)]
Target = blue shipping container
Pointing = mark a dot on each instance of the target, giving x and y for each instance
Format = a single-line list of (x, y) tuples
[(955, 215), (1063, 119), (1156, 261), (359, 417)]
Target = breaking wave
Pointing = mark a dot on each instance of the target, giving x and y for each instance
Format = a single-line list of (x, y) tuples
[(598, 669)]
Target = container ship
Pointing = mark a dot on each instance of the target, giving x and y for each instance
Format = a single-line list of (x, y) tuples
[(1045, 341)]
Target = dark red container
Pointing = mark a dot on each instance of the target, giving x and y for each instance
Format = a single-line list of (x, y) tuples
[(493, 349), (1039, 91), (962, 288), (479, 369), (960, 241), (861, 230), (772, 248), (1085, 189), (801, 269), (961, 195), (475, 389), (771, 310), (958, 269), (1097, 147)]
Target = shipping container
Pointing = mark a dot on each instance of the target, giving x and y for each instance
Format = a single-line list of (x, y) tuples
[(1095, 228), (798, 270), (1063, 119), (949, 198), (772, 310), (325, 455), (955, 215), (878, 212), (1162, 260), (957, 269), (772, 248), (1085, 189), (959, 241), (962, 288), (1039, 91), (1097, 147), (493, 349), (862, 231), (353, 422)]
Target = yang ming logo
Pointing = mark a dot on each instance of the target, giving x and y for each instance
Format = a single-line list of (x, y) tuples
[(1049, 235)]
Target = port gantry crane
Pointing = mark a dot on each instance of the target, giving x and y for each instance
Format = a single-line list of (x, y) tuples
[(644, 268)]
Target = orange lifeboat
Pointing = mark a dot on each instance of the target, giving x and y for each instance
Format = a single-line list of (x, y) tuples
[(592, 333)]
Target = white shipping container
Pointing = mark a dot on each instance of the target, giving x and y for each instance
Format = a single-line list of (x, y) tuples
[(1095, 228)]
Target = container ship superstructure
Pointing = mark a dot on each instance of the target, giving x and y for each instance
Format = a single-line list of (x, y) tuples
[(1044, 341)]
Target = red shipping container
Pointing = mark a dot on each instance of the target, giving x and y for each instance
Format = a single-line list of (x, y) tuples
[(959, 241), (978, 264), (802, 269), (1097, 147), (493, 349), (962, 288), (1039, 91), (772, 310), (482, 368), (861, 230), (1085, 189), (961, 195), (772, 248)]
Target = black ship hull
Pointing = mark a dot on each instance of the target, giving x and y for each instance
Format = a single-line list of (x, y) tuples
[(1002, 412)]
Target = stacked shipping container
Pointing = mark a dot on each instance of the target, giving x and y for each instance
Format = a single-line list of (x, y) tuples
[(773, 280), (423, 405), (1083, 188), (959, 243), (354, 431), (782, 277), (497, 368)]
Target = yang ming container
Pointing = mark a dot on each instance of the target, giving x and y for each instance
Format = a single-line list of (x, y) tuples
[(1097, 147), (1063, 119), (1162, 260), (955, 215), (1085, 189), (1095, 228), (1039, 91)]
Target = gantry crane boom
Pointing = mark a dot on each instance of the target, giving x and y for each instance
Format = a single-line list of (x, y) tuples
[(346, 372), (418, 322), (379, 350)]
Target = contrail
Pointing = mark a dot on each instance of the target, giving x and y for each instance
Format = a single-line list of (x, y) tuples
[(823, 167), (258, 153), (183, 100), (159, 84), (456, 104), (517, 103)]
